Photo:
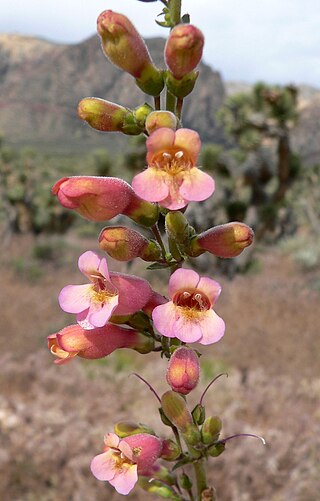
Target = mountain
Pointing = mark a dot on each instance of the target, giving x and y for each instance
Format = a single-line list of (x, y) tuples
[(41, 84)]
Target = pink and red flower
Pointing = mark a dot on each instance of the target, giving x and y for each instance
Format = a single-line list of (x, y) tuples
[(74, 341), (172, 178), (106, 293), (189, 315), (124, 459)]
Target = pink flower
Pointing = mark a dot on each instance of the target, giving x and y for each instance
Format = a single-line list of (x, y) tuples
[(189, 315), (95, 198), (106, 293), (124, 459), (94, 343), (172, 179)]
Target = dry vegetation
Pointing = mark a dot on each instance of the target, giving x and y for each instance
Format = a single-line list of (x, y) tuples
[(52, 419)]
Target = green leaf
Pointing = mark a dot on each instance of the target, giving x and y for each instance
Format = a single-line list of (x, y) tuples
[(158, 266)]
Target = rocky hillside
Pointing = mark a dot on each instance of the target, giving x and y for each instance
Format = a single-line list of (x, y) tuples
[(41, 84)]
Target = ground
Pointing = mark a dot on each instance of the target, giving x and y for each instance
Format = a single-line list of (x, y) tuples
[(52, 419)]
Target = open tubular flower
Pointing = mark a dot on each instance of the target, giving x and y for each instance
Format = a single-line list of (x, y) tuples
[(102, 198), (74, 341), (106, 293), (172, 178), (124, 459), (189, 315)]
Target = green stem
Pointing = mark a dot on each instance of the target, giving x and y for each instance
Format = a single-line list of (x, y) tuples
[(157, 103), (201, 479), (157, 234), (179, 107), (170, 102), (175, 11)]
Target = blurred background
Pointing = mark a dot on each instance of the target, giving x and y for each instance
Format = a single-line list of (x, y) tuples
[(256, 106)]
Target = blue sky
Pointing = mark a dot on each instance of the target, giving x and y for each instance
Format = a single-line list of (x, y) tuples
[(273, 40)]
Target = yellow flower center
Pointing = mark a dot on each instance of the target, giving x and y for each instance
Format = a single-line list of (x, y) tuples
[(172, 163)]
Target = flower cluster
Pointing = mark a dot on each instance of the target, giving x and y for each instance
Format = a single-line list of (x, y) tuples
[(116, 310)]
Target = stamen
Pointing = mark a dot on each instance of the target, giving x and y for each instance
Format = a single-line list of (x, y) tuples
[(179, 154), (198, 297), (166, 155), (224, 440), (186, 295), (211, 383)]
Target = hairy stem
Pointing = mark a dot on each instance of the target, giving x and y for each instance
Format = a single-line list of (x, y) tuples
[(201, 478), (157, 234), (175, 11)]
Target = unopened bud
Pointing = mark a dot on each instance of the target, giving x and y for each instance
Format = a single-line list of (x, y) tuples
[(170, 450), (227, 240), (126, 428), (125, 48), (183, 50), (199, 414), (217, 449), (178, 228), (108, 117), (158, 119), (175, 408), (185, 482), (210, 430), (125, 244), (141, 113), (158, 488), (183, 370)]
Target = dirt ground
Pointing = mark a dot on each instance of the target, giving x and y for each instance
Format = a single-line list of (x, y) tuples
[(52, 419)]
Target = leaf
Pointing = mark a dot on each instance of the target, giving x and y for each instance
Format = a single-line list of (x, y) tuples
[(182, 462), (158, 266)]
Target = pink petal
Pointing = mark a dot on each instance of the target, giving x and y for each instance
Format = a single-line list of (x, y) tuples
[(148, 446), (183, 279), (75, 298), (99, 313), (124, 481), (111, 440), (189, 141), (160, 140), (125, 448), (89, 263), (103, 466), (212, 328), (196, 185), (150, 185), (170, 322), (211, 288), (134, 293)]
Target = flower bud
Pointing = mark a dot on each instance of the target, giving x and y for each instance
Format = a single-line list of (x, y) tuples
[(141, 113), (125, 48), (95, 343), (175, 408), (108, 117), (178, 228), (158, 488), (183, 370), (158, 119), (125, 244), (217, 449), (126, 428), (170, 450), (183, 50), (227, 240), (199, 414), (185, 482), (210, 430)]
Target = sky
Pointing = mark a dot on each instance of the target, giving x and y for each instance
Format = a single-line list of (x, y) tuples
[(277, 41)]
